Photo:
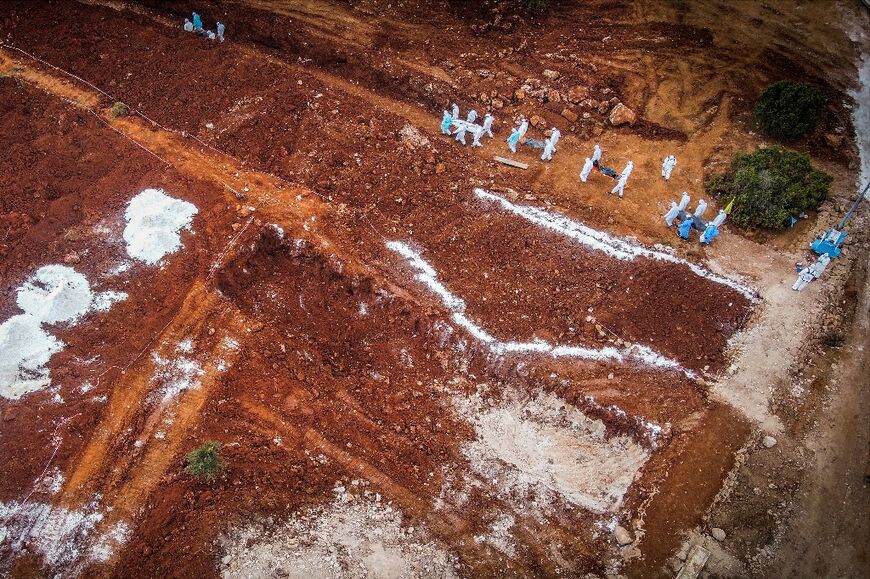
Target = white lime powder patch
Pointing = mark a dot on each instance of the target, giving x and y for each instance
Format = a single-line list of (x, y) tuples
[(154, 224), (54, 294)]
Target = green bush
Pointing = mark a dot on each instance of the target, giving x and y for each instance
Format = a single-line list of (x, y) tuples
[(119, 109), (205, 461), (787, 110), (769, 186)]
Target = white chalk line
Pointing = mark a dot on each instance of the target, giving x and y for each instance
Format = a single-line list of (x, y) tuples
[(429, 277), (600, 241)]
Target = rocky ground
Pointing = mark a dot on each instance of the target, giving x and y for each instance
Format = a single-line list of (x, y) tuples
[(388, 331)]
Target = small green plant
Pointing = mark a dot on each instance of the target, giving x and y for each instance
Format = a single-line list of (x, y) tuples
[(787, 109), (769, 186), (119, 109), (205, 461)]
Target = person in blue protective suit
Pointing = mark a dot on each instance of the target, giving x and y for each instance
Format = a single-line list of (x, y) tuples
[(513, 140), (709, 234), (446, 121), (684, 228), (197, 22)]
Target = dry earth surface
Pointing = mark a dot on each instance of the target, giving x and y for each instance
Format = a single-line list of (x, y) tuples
[(420, 362)]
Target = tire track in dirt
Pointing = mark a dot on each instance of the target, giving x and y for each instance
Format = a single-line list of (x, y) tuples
[(128, 398)]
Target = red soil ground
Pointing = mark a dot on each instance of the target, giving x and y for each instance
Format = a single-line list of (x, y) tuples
[(305, 102)]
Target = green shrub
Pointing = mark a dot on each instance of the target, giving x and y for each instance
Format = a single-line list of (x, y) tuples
[(769, 186), (119, 109), (787, 110), (205, 461)]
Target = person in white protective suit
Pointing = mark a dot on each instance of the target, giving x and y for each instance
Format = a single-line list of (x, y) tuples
[(672, 214), (487, 124), (700, 209), (667, 166), (188, 25), (220, 31), (549, 147), (818, 268), (555, 135), (461, 129), (719, 219), (596, 154), (619, 188), (805, 276), (477, 132), (684, 201), (815, 271), (524, 126), (472, 116), (586, 170), (454, 111)]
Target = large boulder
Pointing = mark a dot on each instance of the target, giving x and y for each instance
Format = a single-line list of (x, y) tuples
[(622, 115)]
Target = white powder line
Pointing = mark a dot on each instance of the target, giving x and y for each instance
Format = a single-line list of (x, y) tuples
[(429, 277), (615, 247), (653, 431)]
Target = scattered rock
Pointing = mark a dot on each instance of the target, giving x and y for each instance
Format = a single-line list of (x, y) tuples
[(71, 257), (768, 442), (577, 94), (623, 537), (551, 74), (440, 168), (718, 533), (621, 115), (497, 103), (411, 136), (537, 121), (553, 96), (569, 114), (520, 94)]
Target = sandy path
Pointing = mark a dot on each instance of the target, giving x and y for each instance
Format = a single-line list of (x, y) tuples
[(831, 533)]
